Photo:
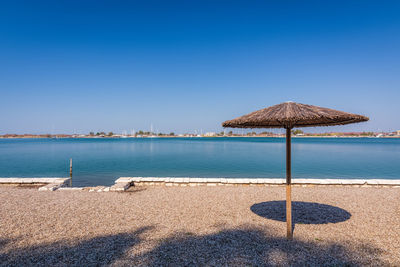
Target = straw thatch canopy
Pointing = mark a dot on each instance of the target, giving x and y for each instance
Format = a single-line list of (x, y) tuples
[(291, 114)]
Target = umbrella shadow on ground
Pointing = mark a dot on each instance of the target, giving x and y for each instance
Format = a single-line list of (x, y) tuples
[(98, 251), (302, 212), (249, 246)]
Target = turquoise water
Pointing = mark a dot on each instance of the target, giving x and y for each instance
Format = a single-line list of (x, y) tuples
[(101, 161)]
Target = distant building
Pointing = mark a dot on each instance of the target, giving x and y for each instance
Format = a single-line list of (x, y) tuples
[(398, 132), (210, 134)]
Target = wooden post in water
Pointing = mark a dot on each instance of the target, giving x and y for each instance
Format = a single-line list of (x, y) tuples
[(288, 185), (70, 172)]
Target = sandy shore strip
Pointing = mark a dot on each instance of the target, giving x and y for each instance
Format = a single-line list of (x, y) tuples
[(206, 226)]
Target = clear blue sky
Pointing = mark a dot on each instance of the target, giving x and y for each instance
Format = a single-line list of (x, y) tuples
[(80, 66)]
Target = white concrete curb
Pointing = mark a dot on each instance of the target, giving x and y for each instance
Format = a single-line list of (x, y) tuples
[(51, 183), (250, 181), (120, 186), (123, 183)]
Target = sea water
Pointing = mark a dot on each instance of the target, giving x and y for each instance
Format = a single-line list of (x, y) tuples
[(101, 161)]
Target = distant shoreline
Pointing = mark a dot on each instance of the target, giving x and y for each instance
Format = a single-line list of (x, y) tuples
[(140, 137)]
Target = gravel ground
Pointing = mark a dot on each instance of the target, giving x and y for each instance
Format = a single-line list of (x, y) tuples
[(206, 226)]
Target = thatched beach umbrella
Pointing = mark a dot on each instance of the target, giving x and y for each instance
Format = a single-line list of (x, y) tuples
[(289, 115)]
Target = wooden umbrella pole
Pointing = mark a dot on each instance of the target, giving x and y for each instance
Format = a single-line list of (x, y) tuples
[(288, 185)]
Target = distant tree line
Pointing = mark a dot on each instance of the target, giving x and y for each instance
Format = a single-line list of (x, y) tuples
[(297, 131)]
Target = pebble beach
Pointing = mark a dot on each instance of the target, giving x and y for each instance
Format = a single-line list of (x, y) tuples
[(200, 226)]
